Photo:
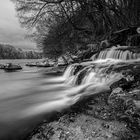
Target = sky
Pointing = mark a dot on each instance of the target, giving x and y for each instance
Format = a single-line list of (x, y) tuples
[(10, 30)]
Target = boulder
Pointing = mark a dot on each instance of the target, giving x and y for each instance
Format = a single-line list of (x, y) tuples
[(122, 82), (116, 100)]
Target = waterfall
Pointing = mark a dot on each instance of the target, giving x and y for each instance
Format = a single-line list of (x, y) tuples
[(65, 77), (69, 71), (116, 53), (84, 79), (78, 81), (93, 74)]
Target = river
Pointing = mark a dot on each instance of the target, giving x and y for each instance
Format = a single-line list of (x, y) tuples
[(29, 96), (20, 93)]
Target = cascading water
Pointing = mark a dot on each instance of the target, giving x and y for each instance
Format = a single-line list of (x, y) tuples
[(56, 93), (94, 77), (116, 53), (77, 79), (60, 79), (97, 75)]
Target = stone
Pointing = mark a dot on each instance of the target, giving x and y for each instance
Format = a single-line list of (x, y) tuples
[(116, 99), (119, 83)]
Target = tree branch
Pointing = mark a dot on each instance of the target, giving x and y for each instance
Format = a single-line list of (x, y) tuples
[(38, 14)]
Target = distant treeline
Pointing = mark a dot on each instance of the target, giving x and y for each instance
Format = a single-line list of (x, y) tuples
[(10, 52)]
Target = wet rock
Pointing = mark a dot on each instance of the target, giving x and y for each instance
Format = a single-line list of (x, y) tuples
[(123, 100), (120, 83), (126, 108), (116, 100), (128, 80)]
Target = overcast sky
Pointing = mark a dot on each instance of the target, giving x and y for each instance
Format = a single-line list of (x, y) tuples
[(10, 30)]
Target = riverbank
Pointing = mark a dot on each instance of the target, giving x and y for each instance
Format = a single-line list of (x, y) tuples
[(92, 119), (109, 115)]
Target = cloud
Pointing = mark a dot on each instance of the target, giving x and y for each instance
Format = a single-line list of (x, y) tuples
[(10, 30)]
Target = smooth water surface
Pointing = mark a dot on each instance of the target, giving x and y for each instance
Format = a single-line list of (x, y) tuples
[(21, 95), (29, 94)]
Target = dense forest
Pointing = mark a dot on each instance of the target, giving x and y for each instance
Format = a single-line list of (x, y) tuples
[(10, 52), (69, 26)]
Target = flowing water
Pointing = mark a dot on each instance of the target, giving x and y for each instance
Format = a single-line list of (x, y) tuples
[(117, 53), (27, 95)]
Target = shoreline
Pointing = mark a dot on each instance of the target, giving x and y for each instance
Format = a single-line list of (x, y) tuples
[(94, 117), (91, 115)]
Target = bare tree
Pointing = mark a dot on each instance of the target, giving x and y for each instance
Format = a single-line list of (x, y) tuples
[(67, 20)]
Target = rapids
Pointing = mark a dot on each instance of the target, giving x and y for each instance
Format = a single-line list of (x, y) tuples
[(28, 95), (116, 52)]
